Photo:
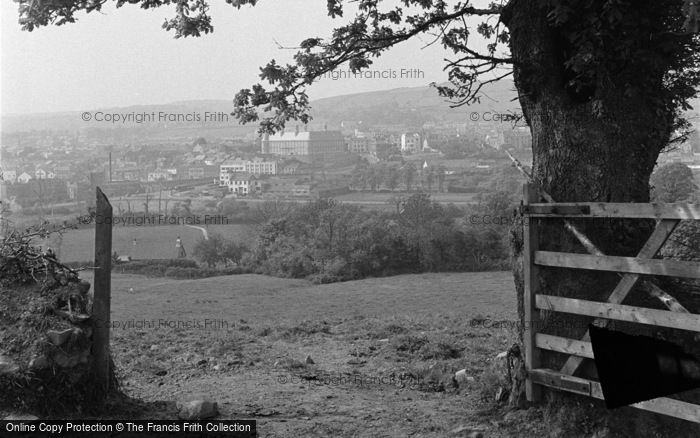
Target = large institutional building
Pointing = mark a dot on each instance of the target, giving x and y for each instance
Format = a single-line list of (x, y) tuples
[(256, 166), (304, 143)]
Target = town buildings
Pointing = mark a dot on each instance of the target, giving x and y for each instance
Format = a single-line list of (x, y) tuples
[(369, 145), (359, 144), (291, 167)]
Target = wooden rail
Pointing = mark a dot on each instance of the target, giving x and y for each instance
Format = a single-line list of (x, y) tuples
[(615, 210), (578, 385), (564, 345), (632, 265), (631, 269), (620, 312)]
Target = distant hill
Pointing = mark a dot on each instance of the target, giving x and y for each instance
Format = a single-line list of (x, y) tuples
[(407, 105), (374, 107), (401, 106), (418, 105)]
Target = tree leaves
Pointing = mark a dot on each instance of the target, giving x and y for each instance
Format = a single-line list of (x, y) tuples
[(673, 182)]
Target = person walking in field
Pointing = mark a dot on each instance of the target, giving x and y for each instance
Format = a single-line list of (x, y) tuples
[(181, 253)]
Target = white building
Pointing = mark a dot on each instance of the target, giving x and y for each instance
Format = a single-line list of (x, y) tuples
[(227, 168), (304, 143), (256, 166), (243, 183), (259, 166), (410, 143), (159, 175)]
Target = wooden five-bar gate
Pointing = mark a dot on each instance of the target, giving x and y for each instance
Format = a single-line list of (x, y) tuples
[(630, 269)]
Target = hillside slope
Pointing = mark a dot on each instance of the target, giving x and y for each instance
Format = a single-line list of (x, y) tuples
[(381, 107)]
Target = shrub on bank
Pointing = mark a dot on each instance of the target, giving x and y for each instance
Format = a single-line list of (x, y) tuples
[(171, 268), (193, 273)]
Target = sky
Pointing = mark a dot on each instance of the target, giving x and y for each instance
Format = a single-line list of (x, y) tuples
[(122, 57)]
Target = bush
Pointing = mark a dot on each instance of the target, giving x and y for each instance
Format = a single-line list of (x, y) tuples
[(324, 278), (152, 267), (326, 241), (173, 268), (216, 250), (170, 263), (192, 273)]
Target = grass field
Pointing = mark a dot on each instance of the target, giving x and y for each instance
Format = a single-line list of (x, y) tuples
[(152, 242), (384, 350), (260, 298)]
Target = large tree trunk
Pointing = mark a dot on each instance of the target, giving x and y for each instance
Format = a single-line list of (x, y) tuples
[(595, 145), (599, 147)]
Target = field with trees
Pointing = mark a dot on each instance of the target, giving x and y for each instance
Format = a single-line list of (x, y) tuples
[(324, 240)]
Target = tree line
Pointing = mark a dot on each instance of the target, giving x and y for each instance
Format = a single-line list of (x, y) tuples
[(327, 241), (393, 176)]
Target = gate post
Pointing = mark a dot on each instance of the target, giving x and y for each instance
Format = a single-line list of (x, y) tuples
[(532, 321), (102, 291)]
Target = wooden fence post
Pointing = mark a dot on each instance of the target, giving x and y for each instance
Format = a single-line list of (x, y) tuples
[(102, 291), (532, 322)]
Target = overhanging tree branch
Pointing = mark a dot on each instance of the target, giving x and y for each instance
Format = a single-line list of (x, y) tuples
[(366, 37)]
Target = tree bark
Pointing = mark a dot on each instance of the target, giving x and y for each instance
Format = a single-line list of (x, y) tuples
[(580, 155), (600, 148)]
